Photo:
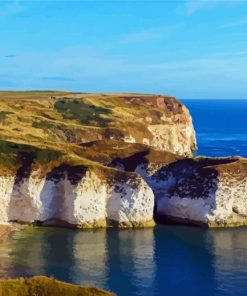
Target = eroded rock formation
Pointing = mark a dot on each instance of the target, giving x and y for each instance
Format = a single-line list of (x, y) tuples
[(96, 160), (210, 192), (77, 196)]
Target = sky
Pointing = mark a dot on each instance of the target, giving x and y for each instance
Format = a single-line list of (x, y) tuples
[(188, 49)]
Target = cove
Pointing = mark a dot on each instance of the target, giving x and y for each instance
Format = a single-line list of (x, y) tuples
[(165, 260)]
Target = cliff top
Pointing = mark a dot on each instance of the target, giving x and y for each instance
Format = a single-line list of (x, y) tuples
[(52, 128)]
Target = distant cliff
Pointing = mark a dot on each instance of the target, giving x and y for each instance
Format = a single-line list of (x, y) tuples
[(57, 120)]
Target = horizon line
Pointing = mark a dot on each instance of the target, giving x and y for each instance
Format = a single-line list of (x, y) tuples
[(124, 92)]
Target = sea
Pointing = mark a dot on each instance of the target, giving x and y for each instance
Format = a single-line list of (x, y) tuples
[(221, 126), (168, 260)]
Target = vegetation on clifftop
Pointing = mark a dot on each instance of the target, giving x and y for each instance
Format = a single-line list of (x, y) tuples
[(43, 286), (55, 128)]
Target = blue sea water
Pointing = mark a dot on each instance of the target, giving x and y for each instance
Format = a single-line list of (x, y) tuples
[(221, 126), (169, 260), (166, 260)]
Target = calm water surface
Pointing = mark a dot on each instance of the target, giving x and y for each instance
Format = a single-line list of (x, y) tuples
[(221, 126), (166, 260)]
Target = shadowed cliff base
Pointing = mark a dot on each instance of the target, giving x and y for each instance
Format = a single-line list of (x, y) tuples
[(207, 192), (64, 180)]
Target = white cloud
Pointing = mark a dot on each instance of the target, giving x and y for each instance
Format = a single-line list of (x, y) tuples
[(150, 34), (192, 6), (238, 23), (86, 69), (140, 37), (240, 53), (8, 8)]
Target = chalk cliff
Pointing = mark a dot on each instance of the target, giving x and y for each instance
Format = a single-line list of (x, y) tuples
[(51, 174), (99, 160), (75, 196), (204, 191), (210, 192)]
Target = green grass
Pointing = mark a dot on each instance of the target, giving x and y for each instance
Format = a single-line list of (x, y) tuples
[(13, 153), (43, 286), (50, 126), (82, 112), (42, 124), (3, 115)]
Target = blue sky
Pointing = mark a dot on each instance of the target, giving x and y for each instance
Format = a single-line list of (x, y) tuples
[(190, 49)]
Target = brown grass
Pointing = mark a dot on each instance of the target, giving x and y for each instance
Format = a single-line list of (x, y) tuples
[(43, 286)]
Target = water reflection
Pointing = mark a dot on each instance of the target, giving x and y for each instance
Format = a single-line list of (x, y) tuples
[(89, 249), (229, 248), (131, 261), (167, 260), (184, 263), (121, 261), (21, 254)]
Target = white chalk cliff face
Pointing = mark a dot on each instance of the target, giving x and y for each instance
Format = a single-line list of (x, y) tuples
[(77, 198), (210, 192), (175, 133), (169, 128)]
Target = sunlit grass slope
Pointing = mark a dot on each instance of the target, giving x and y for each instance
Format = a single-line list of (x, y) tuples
[(43, 286), (51, 127)]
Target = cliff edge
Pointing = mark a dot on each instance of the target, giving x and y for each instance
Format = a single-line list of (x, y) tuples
[(104, 160), (50, 173)]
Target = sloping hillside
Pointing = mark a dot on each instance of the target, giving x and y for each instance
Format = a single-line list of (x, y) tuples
[(59, 120)]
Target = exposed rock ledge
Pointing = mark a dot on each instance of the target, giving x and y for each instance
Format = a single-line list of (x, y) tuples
[(209, 192), (76, 196), (130, 185)]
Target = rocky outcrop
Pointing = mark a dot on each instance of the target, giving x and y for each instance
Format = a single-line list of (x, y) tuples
[(98, 160), (51, 173), (126, 185), (210, 192), (76, 196)]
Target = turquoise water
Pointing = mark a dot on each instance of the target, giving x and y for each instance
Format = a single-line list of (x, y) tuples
[(166, 260)]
